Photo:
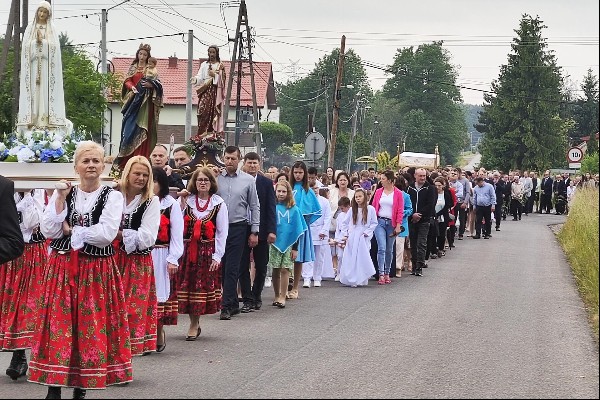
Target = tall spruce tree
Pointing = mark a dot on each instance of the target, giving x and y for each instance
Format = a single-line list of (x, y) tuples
[(587, 119), (520, 119)]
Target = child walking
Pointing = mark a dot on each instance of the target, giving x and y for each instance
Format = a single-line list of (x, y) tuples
[(282, 254)]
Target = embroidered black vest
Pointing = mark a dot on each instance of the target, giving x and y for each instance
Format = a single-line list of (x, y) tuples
[(134, 221), (211, 216), (167, 213), (74, 218)]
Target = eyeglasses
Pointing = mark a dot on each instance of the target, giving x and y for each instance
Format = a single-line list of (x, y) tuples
[(203, 180)]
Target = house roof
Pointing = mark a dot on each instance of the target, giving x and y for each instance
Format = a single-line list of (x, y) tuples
[(173, 75), (587, 138)]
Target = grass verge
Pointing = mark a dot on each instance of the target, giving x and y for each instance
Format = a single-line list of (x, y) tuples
[(579, 238)]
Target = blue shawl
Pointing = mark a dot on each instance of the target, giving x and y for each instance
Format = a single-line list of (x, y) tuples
[(290, 226), (307, 202)]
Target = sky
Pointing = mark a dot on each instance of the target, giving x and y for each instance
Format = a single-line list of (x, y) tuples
[(294, 35)]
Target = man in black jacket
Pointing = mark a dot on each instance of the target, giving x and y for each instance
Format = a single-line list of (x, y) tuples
[(499, 188), (546, 193), (11, 238), (251, 292), (160, 158), (423, 195)]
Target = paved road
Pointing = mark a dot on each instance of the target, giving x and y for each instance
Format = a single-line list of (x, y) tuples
[(495, 318), (473, 163)]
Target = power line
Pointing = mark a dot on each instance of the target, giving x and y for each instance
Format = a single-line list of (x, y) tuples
[(130, 39)]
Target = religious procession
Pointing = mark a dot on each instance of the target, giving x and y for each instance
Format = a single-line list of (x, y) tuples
[(93, 268)]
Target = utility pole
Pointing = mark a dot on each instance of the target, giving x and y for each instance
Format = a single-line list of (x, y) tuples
[(336, 104), (188, 94), (237, 61), (105, 139), (354, 126), (17, 53)]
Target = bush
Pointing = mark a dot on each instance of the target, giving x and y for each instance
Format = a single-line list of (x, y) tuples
[(579, 238), (590, 163)]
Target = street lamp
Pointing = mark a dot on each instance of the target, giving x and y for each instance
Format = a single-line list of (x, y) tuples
[(375, 126)]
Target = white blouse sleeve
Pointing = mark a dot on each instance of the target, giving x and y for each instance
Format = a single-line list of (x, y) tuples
[(30, 211), (221, 232), (51, 225), (346, 223), (371, 221), (326, 219), (104, 232), (176, 243), (145, 236)]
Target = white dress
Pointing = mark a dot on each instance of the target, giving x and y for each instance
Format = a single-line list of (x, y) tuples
[(171, 254), (322, 266), (42, 99), (357, 266)]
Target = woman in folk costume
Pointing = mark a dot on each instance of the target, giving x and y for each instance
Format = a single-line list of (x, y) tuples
[(81, 338), (166, 254), (206, 225), (41, 103), (19, 286), (358, 227), (210, 87), (137, 235), (309, 206), (291, 225), (141, 110)]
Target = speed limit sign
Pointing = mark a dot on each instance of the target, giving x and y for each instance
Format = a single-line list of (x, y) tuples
[(574, 155)]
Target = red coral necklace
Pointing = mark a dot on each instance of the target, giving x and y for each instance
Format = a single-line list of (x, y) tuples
[(203, 208)]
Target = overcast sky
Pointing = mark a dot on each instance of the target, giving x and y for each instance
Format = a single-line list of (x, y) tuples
[(293, 35)]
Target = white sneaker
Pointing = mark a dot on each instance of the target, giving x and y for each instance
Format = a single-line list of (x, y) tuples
[(337, 278), (306, 283), (268, 281), (317, 283)]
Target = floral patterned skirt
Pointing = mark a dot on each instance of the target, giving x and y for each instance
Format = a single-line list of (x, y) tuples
[(137, 272), (20, 297), (167, 312), (199, 290), (82, 336)]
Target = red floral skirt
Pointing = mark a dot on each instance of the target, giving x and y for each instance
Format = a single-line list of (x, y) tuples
[(82, 336), (167, 312), (137, 272), (20, 297), (199, 290)]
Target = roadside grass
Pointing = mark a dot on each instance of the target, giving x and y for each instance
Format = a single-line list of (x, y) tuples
[(464, 158), (579, 238)]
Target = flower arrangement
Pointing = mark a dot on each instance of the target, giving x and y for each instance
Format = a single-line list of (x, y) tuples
[(37, 145)]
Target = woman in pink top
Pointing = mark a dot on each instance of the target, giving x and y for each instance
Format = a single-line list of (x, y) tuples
[(389, 206)]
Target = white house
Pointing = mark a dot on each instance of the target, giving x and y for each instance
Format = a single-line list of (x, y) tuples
[(173, 75)]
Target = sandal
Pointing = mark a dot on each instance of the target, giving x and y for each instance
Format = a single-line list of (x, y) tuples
[(292, 295), (161, 347), (279, 304)]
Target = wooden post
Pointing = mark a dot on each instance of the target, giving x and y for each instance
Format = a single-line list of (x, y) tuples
[(336, 104), (7, 38), (17, 60)]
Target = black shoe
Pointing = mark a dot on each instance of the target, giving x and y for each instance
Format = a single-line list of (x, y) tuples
[(418, 273), (519, 217), (246, 308), (225, 315), (54, 392), (497, 229), (234, 311), (257, 305), (79, 393), (460, 237), (486, 237), (18, 365), (412, 273), (425, 265), (477, 237)]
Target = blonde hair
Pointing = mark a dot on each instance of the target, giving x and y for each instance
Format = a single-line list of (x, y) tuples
[(289, 199), (148, 190), (88, 145)]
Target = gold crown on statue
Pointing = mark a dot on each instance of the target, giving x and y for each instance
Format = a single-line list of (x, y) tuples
[(144, 46)]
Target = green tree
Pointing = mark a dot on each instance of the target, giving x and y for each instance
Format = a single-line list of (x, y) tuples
[(275, 135), (590, 163), (521, 121), (7, 120), (306, 96), (424, 82), (587, 119)]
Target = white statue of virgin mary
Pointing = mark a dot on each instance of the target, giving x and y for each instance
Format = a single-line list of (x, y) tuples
[(42, 100)]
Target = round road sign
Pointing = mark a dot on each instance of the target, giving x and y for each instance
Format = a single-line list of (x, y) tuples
[(314, 146), (574, 155)]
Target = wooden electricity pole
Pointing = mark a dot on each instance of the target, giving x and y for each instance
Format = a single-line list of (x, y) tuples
[(17, 54), (336, 104), (7, 38)]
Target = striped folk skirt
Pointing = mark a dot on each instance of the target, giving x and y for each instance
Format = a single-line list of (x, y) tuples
[(82, 336), (199, 290), (21, 296), (137, 272)]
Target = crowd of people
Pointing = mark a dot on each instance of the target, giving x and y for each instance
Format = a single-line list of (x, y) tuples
[(91, 274)]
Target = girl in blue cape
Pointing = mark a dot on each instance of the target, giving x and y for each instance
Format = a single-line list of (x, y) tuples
[(309, 206), (290, 227)]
